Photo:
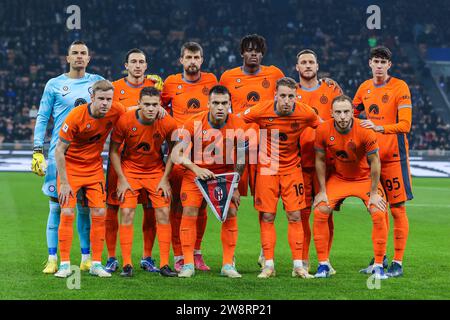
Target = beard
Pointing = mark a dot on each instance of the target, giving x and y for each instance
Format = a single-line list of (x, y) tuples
[(192, 70), (308, 78)]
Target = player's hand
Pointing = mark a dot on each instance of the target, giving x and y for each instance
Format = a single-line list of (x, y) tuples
[(204, 174), (65, 192), (38, 163), (321, 197), (164, 186), (161, 113), (157, 80), (122, 187), (378, 201), (236, 198), (331, 83)]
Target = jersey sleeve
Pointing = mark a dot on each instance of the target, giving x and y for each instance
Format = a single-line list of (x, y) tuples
[(118, 134), (313, 120), (69, 128), (358, 105), (278, 73), (44, 113), (98, 77), (370, 142), (404, 112), (166, 96), (170, 126), (251, 115), (319, 143)]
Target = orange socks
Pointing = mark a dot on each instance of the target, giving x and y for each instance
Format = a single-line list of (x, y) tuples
[(188, 233), (164, 232), (379, 235), (306, 213), (229, 236), (126, 242), (202, 218), (268, 239), (321, 234), (111, 228), (175, 222), (149, 231), (401, 230), (331, 231), (295, 239), (65, 236), (97, 237)]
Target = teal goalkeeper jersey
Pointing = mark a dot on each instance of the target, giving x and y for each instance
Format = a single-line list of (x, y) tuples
[(61, 95)]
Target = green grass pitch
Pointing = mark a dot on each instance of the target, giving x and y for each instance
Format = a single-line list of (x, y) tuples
[(427, 261)]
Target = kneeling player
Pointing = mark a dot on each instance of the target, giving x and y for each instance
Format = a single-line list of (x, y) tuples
[(354, 149), (141, 168), (212, 130)]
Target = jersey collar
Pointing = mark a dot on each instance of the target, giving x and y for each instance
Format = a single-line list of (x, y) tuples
[(134, 85), (383, 84), (251, 74), (189, 81)]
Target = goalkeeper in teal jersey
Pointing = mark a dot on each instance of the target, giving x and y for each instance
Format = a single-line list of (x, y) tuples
[(61, 95)]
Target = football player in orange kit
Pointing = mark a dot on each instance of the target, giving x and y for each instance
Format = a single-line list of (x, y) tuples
[(184, 95), (81, 167), (386, 101), (288, 116), (126, 91), (317, 94), (216, 123), (140, 167), (356, 174)]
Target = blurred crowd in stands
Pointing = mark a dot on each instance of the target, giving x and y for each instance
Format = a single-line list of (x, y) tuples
[(34, 40)]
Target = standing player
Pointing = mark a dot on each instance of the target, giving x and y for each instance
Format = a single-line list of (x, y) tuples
[(184, 95), (386, 101), (289, 117), (318, 95), (126, 91), (354, 149), (141, 167), (61, 95), (217, 123), (81, 167), (250, 84)]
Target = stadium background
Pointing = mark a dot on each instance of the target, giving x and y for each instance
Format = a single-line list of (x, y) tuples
[(33, 45)]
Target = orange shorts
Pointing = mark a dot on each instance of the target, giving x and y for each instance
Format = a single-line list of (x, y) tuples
[(396, 180), (190, 195), (339, 189), (149, 185), (290, 187), (93, 191), (111, 189)]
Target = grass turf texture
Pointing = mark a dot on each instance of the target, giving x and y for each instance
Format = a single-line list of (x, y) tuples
[(23, 251)]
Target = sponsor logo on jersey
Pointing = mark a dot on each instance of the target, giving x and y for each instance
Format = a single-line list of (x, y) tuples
[(283, 136), (193, 103), (341, 154), (374, 109), (144, 146), (253, 96)]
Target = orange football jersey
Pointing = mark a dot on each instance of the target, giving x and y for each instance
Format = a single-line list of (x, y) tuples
[(86, 136), (249, 89), (319, 98), (290, 128), (127, 93), (217, 152), (388, 105), (350, 149), (141, 156), (184, 99)]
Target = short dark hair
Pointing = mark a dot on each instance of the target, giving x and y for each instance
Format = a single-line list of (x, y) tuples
[(342, 98), (219, 89), (149, 91), (287, 82), (381, 52), (134, 50), (191, 46), (258, 43), (75, 43), (307, 51)]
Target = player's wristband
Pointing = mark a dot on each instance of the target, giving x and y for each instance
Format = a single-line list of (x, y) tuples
[(39, 149)]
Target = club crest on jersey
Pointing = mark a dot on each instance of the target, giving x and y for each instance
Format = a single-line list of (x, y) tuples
[(65, 127), (51, 188), (374, 109), (265, 84), (352, 146), (323, 99), (65, 88), (157, 136), (205, 91), (295, 126), (253, 96), (218, 193), (193, 103), (385, 98), (90, 90)]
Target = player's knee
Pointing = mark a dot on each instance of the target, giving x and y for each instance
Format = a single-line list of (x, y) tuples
[(98, 211), (190, 211), (162, 215), (232, 212), (324, 209), (268, 217), (398, 205), (67, 211), (293, 216)]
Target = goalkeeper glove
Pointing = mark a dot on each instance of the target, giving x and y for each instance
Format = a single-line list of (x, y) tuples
[(157, 80), (38, 164)]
